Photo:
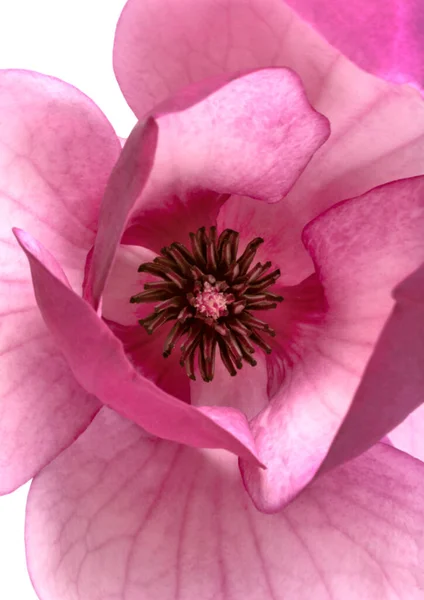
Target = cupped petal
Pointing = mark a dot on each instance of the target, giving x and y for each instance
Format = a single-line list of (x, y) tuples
[(362, 248), (377, 137), (392, 385), (253, 136), (125, 185), (247, 391), (146, 353), (377, 128), (97, 359), (56, 152), (383, 37), (121, 516)]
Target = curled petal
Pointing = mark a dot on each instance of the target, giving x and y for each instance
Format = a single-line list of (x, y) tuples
[(362, 248), (377, 128), (124, 186), (377, 136), (118, 515), (258, 147), (98, 362)]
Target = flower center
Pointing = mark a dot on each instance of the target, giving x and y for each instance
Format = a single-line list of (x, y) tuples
[(210, 293), (210, 303)]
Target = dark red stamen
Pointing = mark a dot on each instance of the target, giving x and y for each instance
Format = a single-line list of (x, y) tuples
[(210, 294)]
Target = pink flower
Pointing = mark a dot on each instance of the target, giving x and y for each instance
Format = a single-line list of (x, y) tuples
[(124, 511)]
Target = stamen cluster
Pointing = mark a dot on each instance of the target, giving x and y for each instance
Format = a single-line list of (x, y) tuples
[(210, 294)]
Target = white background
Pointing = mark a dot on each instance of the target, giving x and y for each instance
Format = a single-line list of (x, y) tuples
[(71, 39)]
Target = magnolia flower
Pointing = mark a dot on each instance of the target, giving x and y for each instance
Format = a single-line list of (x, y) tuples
[(280, 296)]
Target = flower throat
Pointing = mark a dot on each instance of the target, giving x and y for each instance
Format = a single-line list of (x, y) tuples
[(211, 295)]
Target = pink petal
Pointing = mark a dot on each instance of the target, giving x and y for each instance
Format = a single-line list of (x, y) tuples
[(146, 352), (380, 36), (393, 382), (124, 186), (125, 281), (377, 137), (409, 435), (361, 248), (258, 147), (56, 152), (121, 516), (377, 128), (246, 392), (192, 42), (97, 359)]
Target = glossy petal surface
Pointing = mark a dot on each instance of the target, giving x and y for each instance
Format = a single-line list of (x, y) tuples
[(98, 362), (56, 153), (392, 385), (362, 248), (122, 517)]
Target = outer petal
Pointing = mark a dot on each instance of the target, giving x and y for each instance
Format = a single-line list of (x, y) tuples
[(393, 383), (384, 37), (377, 128), (362, 248), (120, 516), (97, 360), (56, 152), (253, 136), (158, 52)]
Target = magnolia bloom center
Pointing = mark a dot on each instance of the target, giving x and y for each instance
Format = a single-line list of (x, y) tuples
[(211, 303), (210, 293)]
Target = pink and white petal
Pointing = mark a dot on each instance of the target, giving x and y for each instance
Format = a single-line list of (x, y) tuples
[(121, 516), (377, 128), (362, 248), (42, 406), (159, 52), (125, 185), (56, 152), (256, 146), (392, 385), (381, 37), (97, 359), (377, 137), (197, 42)]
